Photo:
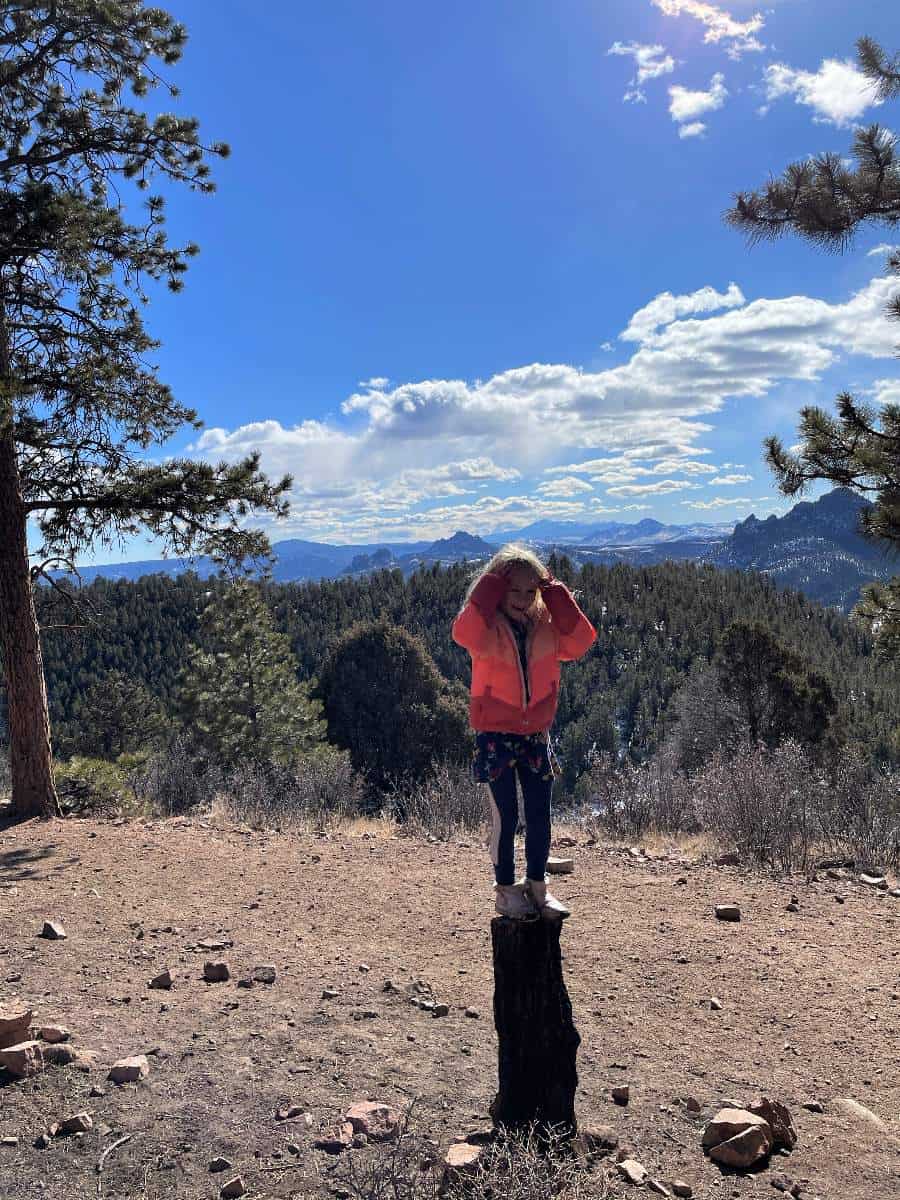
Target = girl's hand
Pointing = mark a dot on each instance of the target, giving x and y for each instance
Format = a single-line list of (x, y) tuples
[(488, 593)]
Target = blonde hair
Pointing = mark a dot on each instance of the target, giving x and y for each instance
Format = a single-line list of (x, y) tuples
[(506, 559)]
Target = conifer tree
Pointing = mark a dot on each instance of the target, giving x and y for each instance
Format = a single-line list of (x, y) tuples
[(777, 695), (119, 715), (388, 704), (241, 698), (826, 201), (80, 400)]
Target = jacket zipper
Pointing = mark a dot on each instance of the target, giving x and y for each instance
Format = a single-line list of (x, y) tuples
[(512, 638)]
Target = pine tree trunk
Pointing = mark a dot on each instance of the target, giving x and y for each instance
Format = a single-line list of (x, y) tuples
[(537, 1039), (33, 793)]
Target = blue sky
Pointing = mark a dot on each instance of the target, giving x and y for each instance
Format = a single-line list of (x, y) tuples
[(466, 266)]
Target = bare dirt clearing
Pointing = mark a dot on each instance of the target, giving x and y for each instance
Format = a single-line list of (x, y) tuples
[(810, 1006)]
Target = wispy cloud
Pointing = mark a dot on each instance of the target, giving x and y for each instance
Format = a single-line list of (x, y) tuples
[(651, 61), (728, 502), (729, 480), (738, 37), (686, 105), (665, 308), (838, 92), (636, 427)]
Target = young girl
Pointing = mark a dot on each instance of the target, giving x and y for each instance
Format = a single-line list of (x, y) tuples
[(518, 623)]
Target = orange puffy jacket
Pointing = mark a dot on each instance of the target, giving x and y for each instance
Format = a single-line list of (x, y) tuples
[(498, 701)]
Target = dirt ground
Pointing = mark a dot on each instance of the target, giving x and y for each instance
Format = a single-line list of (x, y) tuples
[(810, 1006)]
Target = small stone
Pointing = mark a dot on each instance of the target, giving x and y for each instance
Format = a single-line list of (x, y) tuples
[(692, 1104), (852, 1108), (441, 1010), (792, 906), (597, 1139), (53, 931), (472, 1012), (728, 912), (129, 1070), (738, 1138), (655, 1185), (715, 1003), (15, 1022), (219, 1164), (288, 1111), (364, 967), (621, 1094), (233, 1188), (64, 1055), (162, 980), (560, 866), (210, 944), (875, 881), (54, 1033), (97, 1090), (680, 1188), (461, 1159), (22, 1060), (329, 993), (9, 1140), (814, 1106), (246, 982), (377, 1120), (264, 973), (838, 898), (632, 1170), (216, 972), (779, 1119), (336, 1141), (80, 1123)]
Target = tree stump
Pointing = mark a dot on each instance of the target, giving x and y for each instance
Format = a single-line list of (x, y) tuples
[(537, 1038)]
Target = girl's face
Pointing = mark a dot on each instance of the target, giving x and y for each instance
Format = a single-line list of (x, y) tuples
[(521, 593)]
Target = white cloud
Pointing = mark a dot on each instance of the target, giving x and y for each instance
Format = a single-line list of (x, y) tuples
[(694, 129), (377, 381), (561, 488), (728, 502), (882, 250), (728, 480), (651, 61), (662, 488), (886, 391), (738, 37), (686, 104), (635, 425), (666, 308), (837, 92)]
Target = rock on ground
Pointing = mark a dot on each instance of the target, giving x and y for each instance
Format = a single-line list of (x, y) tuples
[(129, 1070), (737, 1138)]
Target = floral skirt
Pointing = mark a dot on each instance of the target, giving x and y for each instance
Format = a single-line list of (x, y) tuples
[(495, 752)]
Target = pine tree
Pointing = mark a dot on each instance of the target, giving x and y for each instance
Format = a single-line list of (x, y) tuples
[(777, 694), (387, 703), (118, 714), (241, 698), (825, 201), (80, 400)]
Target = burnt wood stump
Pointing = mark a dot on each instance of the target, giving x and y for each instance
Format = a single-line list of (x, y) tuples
[(536, 1036)]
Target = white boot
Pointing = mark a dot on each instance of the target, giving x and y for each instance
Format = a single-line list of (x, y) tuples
[(547, 903), (511, 900)]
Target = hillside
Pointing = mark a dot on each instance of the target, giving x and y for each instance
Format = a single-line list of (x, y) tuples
[(817, 547), (655, 623), (359, 924)]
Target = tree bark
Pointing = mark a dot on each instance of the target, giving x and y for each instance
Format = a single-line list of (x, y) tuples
[(537, 1038), (30, 756)]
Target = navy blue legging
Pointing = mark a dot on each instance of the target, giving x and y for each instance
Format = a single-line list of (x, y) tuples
[(505, 816)]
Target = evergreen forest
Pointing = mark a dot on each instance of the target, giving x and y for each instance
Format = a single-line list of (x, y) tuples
[(658, 626)]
